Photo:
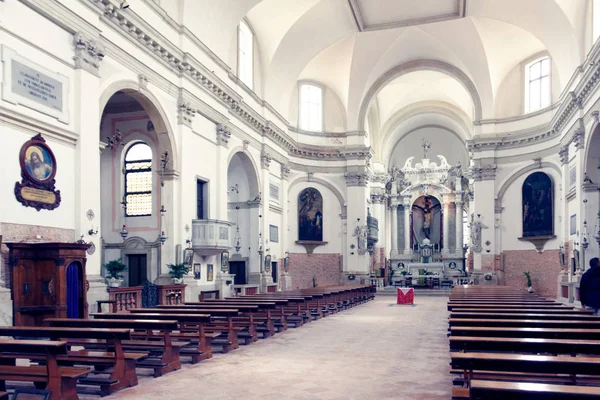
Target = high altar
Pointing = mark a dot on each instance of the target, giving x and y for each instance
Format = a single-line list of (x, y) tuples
[(427, 203)]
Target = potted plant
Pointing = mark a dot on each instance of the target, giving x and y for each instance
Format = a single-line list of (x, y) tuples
[(114, 269), (528, 276), (177, 271)]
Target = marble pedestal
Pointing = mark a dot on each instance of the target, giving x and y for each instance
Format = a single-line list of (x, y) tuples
[(265, 280), (285, 281), (224, 284), (97, 291)]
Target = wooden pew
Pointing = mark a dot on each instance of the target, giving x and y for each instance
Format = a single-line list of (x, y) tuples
[(533, 323), (229, 342), (123, 364), (270, 312), (562, 310), (524, 345), (481, 390), (61, 381), (247, 314), (167, 349), (542, 333), (558, 306), (200, 338), (559, 316), (468, 362)]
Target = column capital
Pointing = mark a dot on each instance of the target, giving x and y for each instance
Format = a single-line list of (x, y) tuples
[(88, 53), (579, 138), (223, 135), (485, 172), (563, 153), (356, 178), (185, 112), (285, 171)]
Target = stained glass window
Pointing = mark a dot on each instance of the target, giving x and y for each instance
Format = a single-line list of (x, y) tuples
[(138, 180)]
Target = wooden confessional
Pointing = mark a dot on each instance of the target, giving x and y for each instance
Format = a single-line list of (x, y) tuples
[(47, 280)]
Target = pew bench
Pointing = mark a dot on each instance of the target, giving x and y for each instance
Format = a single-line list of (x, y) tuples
[(481, 390), (122, 364), (524, 345), (164, 353), (60, 381), (524, 323)]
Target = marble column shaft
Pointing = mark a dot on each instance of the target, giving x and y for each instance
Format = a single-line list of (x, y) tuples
[(394, 221), (459, 228), (446, 223), (408, 233)]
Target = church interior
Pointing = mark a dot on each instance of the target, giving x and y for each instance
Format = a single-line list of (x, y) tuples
[(183, 178)]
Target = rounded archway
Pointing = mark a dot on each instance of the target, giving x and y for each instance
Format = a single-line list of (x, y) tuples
[(137, 156)]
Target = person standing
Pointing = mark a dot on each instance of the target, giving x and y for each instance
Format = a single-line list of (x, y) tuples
[(589, 287)]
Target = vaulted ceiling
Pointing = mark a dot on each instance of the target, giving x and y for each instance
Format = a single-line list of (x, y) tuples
[(395, 52)]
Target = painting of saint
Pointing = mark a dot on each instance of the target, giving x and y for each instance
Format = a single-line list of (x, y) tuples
[(209, 272), (537, 205), (38, 163), (310, 215)]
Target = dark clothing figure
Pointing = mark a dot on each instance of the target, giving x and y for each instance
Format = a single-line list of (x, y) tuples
[(589, 287)]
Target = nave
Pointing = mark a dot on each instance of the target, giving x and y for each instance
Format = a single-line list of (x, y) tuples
[(373, 351)]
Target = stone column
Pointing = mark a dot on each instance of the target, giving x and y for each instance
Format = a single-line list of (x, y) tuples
[(266, 277), (446, 223), (356, 195), (484, 176), (394, 235), (459, 227), (408, 233), (88, 54)]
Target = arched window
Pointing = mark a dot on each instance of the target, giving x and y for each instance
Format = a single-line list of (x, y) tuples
[(138, 180), (245, 54), (538, 206), (310, 115), (310, 215), (537, 84)]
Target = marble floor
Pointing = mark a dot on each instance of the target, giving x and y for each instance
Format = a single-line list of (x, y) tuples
[(374, 351)]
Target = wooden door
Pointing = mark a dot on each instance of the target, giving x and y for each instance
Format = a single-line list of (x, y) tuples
[(33, 297), (238, 268), (137, 269)]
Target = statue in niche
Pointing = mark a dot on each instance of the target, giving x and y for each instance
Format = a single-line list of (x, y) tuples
[(476, 227), (361, 235), (427, 210)]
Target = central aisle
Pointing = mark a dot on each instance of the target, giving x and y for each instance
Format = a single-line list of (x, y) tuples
[(374, 351)]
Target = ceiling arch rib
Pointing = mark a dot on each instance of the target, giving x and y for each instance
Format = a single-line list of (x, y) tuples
[(420, 65)]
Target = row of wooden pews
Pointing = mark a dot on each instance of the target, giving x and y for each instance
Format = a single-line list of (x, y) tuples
[(511, 344), (107, 351)]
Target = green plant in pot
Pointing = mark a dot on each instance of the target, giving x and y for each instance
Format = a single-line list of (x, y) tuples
[(177, 271), (113, 269), (528, 276)]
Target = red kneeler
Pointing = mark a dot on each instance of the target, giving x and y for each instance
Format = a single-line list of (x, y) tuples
[(406, 296)]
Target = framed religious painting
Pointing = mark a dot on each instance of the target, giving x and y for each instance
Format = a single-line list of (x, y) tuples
[(38, 169), (209, 273), (188, 257), (196, 270)]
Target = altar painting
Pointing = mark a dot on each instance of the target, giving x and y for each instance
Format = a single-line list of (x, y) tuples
[(310, 215), (537, 205)]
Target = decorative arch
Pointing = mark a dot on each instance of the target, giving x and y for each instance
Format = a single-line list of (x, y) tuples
[(153, 108), (589, 149), (420, 65), (506, 184), (538, 205), (310, 215), (251, 169)]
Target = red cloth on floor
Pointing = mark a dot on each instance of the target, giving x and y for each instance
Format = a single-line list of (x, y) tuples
[(406, 296)]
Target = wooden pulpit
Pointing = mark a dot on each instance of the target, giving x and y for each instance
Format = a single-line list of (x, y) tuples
[(47, 280)]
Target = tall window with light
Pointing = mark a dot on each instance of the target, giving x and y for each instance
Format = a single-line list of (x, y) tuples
[(311, 108), (138, 180), (537, 84), (245, 54)]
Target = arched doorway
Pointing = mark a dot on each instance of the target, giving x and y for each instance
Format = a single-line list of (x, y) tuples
[(137, 152), (75, 288), (243, 204)]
